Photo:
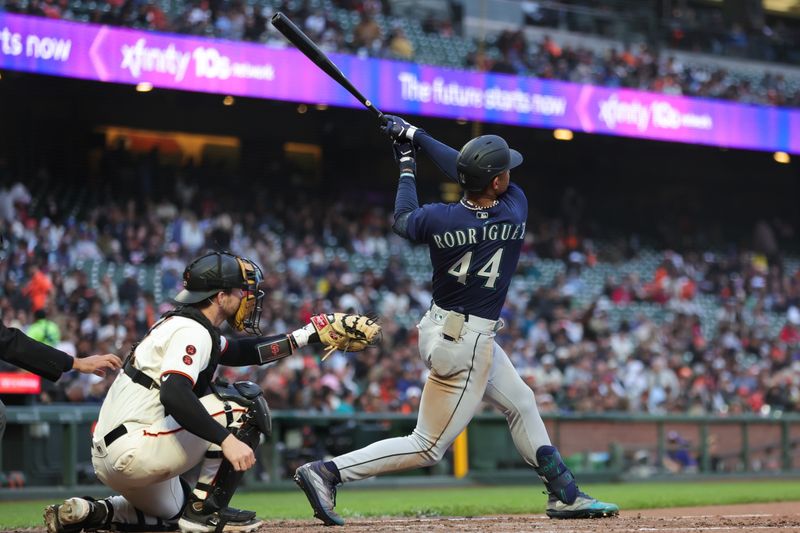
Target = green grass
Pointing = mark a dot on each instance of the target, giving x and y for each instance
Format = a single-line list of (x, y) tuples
[(355, 501)]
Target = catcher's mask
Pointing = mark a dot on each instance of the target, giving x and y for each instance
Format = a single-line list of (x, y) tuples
[(222, 271)]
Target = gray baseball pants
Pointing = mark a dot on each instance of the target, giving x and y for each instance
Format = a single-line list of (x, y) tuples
[(462, 374)]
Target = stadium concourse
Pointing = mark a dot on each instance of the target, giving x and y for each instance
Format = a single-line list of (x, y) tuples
[(637, 50)]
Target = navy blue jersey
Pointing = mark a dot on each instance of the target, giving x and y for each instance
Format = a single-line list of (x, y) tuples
[(474, 253)]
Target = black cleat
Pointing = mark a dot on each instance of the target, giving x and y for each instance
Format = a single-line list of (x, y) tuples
[(76, 514), (196, 519), (320, 487)]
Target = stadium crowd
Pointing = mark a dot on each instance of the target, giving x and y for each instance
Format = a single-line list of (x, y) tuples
[(747, 30), (640, 66), (580, 349)]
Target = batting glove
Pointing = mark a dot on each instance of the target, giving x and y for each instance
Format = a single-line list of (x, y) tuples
[(405, 155), (397, 129)]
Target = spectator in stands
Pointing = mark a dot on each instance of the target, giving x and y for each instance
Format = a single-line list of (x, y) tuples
[(38, 288), (679, 456), (44, 330), (367, 36), (315, 24), (790, 333), (399, 45), (547, 377), (662, 385)]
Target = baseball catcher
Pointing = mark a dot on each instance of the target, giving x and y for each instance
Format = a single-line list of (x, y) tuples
[(170, 439)]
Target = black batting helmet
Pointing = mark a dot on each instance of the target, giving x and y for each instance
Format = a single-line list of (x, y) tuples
[(483, 158)]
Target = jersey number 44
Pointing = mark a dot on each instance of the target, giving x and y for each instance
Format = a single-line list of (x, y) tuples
[(490, 270)]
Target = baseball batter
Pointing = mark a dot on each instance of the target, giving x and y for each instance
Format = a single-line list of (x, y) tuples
[(170, 440), (474, 248)]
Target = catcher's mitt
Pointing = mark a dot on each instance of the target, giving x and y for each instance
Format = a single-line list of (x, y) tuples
[(348, 333)]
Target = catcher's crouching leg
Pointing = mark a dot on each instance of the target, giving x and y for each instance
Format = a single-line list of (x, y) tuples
[(212, 513)]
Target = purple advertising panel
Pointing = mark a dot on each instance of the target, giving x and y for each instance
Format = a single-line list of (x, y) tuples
[(244, 69)]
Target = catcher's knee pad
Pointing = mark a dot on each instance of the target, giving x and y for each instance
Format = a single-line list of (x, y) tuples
[(246, 394), (556, 476)]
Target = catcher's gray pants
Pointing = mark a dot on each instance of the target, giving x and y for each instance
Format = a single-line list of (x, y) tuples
[(462, 374)]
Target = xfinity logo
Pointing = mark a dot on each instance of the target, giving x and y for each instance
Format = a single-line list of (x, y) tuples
[(139, 58), (614, 112), (659, 113)]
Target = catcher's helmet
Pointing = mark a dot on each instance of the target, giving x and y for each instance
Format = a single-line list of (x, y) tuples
[(483, 158), (210, 274)]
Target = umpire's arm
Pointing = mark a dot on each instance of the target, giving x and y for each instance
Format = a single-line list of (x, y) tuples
[(32, 355)]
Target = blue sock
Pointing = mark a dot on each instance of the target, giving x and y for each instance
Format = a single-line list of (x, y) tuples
[(556, 476), (333, 469)]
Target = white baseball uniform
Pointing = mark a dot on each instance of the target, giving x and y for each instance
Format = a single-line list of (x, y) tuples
[(146, 464)]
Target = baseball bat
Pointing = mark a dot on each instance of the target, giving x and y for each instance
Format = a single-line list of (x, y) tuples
[(313, 52)]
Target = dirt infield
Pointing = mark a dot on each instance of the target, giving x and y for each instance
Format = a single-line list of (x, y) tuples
[(771, 517)]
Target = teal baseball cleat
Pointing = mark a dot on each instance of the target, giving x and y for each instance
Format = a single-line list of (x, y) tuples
[(584, 506)]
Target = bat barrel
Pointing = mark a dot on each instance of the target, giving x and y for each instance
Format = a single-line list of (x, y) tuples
[(296, 36), (290, 30)]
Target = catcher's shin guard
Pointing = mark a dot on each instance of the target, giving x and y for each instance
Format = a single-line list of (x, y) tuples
[(255, 422), (558, 479), (228, 479)]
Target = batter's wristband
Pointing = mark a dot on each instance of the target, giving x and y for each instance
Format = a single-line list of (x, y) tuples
[(408, 166)]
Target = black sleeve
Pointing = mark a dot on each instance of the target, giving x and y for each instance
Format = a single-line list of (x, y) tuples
[(180, 401), (243, 351), (31, 355)]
